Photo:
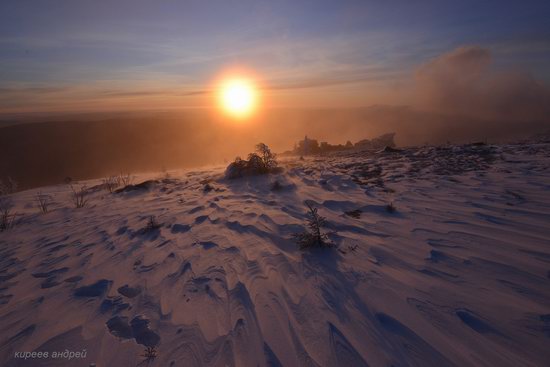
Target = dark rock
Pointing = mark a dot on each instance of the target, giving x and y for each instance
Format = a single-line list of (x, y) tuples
[(145, 185), (388, 149)]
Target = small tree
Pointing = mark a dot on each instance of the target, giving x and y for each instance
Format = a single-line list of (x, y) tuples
[(268, 158), (313, 236)]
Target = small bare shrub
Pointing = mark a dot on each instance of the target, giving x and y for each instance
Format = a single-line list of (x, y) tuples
[(125, 179), (43, 202), (7, 218), (79, 196), (111, 183), (348, 249), (313, 236), (152, 224), (390, 208), (150, 354)]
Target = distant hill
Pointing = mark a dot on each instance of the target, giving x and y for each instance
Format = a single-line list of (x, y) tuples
[(37, 154)]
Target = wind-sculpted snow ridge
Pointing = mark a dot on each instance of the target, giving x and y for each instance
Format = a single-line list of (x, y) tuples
[(456, 274)]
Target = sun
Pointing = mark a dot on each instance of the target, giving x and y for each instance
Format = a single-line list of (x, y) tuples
[(238, 97)]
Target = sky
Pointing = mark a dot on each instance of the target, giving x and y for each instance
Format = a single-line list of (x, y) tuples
[(69, 55)]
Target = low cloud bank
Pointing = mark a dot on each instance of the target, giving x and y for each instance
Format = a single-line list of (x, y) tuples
[(464, 82)]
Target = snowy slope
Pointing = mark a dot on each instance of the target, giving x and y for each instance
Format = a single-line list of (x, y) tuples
[(458, 275)]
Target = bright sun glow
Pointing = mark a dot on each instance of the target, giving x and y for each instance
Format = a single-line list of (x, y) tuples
[(238, 97)]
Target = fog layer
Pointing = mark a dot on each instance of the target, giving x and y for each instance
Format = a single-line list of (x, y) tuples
[(456, 97)]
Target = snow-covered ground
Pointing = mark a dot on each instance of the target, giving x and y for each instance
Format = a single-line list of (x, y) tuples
[(457, 275)]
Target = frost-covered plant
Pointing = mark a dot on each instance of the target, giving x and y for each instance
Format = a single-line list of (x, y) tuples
[(268, 159), (313, 236), (260, 162), (256, 164)]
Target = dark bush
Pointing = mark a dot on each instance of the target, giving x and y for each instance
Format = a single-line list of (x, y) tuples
[(261, 162)]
